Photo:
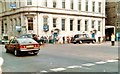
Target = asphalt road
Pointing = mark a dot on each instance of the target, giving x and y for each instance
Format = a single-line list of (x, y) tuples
[(65, 58)]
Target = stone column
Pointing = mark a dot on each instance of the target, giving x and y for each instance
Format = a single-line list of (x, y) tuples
[(0, 26)]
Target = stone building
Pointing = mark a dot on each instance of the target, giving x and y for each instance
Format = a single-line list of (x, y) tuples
[(47, 17), (112, 18)]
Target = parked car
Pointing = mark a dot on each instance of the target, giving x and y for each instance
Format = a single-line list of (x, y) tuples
[(19, 45), (82, 38), (4, 39)]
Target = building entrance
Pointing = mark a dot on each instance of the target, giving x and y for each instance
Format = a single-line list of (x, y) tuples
[(108, 33)]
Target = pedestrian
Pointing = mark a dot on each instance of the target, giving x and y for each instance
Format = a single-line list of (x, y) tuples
[(112, 39), (63, 40), (35, 37)]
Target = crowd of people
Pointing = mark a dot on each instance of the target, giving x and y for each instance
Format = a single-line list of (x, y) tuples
[(53, 39)]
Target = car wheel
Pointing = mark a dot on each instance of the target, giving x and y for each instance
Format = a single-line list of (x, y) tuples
[(35, 53), (16, 52), (7, 51), (93, 41), (80, 42), (74, 42)]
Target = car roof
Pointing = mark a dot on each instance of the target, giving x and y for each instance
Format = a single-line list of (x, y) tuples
[(26, 40)]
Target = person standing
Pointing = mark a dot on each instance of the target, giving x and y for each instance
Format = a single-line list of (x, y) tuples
[(63, 40), (112, 39)]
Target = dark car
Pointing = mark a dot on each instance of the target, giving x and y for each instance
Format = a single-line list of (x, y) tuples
[(19, 45), (82, 38)]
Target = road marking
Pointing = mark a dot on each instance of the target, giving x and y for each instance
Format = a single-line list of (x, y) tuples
[(101, 62), (58, 69), (74, 66), (43, 71), (112, 60), (88, 64)]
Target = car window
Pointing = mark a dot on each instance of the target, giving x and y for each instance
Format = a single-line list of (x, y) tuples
[(26, 40), (12, 41), (76, 36)]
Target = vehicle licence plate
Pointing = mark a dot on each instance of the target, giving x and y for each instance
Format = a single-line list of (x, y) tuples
[(30, 46)]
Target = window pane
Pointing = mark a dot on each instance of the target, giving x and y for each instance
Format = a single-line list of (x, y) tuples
[(29, 2), (54, 22), (86, 25), (86, 5), (93, 8), (30, 23), (99, 7), (79, 5), (78, 25), (71, 25), (93, 23), (63, 24), (71, 5), (99, 23), (54, 4), (63, 3)]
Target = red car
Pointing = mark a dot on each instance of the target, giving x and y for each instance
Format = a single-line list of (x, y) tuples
[(19, 45)]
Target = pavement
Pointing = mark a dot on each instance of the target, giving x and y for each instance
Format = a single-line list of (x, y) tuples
[(106, 43)]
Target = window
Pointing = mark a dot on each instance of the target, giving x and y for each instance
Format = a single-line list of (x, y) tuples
[(2, 27), (45, 21), (63, 24), (54, 22), (93, 23), (29, 2), (6, 28), (78, 25), (45, 24), (86, 25), (71, 4), (63, 3), (79, 5), (30, 23), (99, 7), (86, 5), (93, 8), (54, 4), (99, 23), (45, 3), (71, 25)]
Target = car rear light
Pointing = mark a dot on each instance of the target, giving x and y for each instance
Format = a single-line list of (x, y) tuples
[(36, 45), (22, 46)]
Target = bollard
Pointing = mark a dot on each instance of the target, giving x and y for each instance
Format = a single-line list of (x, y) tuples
[(1, 62)]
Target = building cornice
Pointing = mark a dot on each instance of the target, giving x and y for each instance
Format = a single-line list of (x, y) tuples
[(38, 9)]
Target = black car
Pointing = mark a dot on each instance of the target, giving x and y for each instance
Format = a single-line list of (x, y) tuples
[(82, 38)]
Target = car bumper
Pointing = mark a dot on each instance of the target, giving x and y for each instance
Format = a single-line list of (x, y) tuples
[(28, 50)]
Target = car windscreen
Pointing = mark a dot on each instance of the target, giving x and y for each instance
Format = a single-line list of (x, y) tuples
[(76, 36), (84, 36), (26, 41)]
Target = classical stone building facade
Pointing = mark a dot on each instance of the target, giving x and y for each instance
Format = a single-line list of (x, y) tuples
[(47, 17)]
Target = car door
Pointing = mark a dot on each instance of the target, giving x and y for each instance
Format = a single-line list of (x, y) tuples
[(12, 45)]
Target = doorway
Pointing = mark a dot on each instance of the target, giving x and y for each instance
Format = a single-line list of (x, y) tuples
[(108, 32)]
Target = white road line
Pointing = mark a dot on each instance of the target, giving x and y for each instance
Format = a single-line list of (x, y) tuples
[(112, 60), (88, 64), (58, 69), (74, 66), (101, 62), (43, 71)]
